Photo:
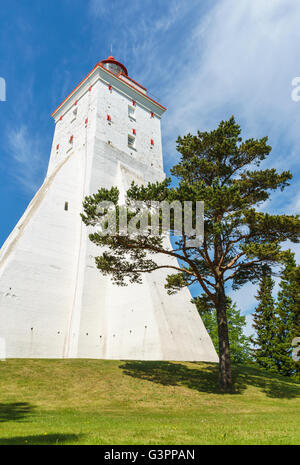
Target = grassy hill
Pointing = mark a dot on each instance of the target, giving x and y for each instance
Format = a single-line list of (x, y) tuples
[(124, 402)]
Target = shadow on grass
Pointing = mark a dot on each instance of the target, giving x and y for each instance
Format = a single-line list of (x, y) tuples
[(15, 411), (204, 378), (41, 439), (275, 386)]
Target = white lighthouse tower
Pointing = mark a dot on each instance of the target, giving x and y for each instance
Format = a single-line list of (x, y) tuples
[(54, 303)]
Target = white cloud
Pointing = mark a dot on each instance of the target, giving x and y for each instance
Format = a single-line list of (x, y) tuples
[(245, 297), (143, 30), (26, 151), (249, 330), (294, 206), (240, 59), (296, 250)]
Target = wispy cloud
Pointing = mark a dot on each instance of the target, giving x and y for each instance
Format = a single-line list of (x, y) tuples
[(158, 16), (293, 208), (98, 8), (26, 150), (242, 60), (209, 60), (146, 34)]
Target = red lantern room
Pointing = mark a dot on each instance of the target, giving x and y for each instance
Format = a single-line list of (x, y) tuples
[(114, 66)]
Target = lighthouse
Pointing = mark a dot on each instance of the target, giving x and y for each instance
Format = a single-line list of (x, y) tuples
[(54, 303)]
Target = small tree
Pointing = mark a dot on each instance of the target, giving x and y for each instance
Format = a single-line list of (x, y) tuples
[(265, 323), (216, 167), (278, 323), (288, 310), (240, 344)]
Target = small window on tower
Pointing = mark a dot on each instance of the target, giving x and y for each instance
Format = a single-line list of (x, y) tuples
[(131, 141), (131, 112), (74, 115), (66, 206)]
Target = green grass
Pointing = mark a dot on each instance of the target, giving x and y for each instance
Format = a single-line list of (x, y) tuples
[(118, 402)]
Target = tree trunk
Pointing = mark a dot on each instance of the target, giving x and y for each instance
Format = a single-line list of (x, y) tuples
[(225, 378)]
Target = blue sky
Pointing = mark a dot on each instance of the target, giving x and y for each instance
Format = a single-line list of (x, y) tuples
[(204, 60)]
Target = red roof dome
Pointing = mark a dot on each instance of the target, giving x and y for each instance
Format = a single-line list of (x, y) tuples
[(114, 66)]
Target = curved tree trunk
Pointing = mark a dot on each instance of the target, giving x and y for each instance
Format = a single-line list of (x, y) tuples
[(225, 378)]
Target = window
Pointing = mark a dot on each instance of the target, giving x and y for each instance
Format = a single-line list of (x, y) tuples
[(131, 141), (66, 206), (74, 115), (131, 112)]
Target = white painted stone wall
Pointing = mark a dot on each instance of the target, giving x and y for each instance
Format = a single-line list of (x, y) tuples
[(54, 303)]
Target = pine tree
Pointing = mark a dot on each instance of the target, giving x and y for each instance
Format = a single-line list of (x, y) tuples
[(265, 324), (240, 350), (288, 310), (218, 168)]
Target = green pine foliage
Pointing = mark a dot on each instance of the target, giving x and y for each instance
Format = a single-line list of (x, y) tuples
[(277, 323), (265, 324)]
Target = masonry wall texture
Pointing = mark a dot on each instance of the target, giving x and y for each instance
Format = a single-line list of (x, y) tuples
[(54, 303)]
